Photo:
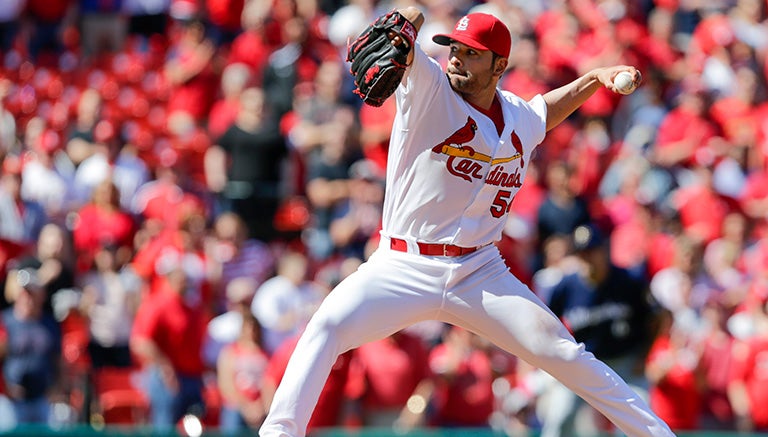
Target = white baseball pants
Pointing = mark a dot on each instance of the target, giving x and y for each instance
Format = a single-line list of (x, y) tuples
[(394, 290)]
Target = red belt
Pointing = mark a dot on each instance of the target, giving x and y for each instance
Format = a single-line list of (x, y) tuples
[(432, 249)]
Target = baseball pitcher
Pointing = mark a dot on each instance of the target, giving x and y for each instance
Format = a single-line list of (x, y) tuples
[(458, 155)]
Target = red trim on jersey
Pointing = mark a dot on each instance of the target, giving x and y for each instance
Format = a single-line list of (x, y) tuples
[(494, 113)]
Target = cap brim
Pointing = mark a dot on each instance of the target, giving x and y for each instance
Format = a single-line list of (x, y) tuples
[(445, 40)]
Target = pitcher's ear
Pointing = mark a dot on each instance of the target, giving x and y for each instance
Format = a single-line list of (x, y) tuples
[(500, 65)]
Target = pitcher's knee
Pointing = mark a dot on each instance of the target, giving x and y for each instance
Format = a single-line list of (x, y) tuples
[(562, 351), (333, 329), (349, 330)]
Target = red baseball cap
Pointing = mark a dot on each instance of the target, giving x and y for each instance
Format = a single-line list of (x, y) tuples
[(480, 31)]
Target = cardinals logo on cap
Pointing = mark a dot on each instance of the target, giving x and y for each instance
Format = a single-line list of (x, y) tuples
[(480, 31), (463, 23)]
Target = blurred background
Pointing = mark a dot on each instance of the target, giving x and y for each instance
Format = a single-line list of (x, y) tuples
[(183, 181)]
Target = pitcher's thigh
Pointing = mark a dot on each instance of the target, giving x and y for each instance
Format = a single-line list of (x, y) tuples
[(506, 312), (376, 301)]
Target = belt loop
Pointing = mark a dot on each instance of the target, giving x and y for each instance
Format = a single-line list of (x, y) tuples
[(412, 247), (385, 242)]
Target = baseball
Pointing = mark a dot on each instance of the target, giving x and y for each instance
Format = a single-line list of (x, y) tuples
[(624, 82)]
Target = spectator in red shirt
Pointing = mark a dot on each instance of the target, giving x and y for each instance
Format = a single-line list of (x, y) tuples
[(631, 241), (715, 366), (9, 250), (328, 410), (672, 371), (661, 250), (167, 339), (754, 200), (101, 222), (384, 375), (556, 30), (463, 377), (190, 143), (590, 153), (234, 79), (748, 387), (710, 37), (183, 249), (761, 113), (702, 210), (685, 133), (189, 70), (224, 20), (251, 46), (658, 49), (736, 113), (164, 201)]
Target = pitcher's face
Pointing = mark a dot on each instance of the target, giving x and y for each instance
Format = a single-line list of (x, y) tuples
[(469, 70)]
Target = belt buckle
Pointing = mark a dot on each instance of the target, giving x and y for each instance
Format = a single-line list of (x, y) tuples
[(445, 250)]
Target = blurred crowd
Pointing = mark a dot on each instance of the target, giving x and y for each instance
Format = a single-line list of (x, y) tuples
[(183, 181)]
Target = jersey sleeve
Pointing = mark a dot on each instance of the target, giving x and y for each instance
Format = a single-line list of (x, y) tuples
[(538, 108), (529, 119), (422, 78)]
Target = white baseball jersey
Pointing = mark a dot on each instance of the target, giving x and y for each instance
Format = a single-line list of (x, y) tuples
[(451, 177)]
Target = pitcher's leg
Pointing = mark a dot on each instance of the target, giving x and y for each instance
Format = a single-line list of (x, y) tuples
[(493, 303), (382, 297)]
